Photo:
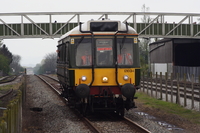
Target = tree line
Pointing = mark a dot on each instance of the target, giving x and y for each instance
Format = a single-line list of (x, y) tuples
[(47, 65), (9, 63)]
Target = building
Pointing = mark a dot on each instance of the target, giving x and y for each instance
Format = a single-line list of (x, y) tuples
[(176, 55)]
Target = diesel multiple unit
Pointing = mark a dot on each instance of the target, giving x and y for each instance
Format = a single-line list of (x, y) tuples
[(98, 66)]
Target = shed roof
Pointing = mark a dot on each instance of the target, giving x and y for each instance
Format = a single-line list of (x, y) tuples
[(162, 41)]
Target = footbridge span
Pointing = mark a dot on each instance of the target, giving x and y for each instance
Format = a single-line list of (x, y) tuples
[(54, 24)]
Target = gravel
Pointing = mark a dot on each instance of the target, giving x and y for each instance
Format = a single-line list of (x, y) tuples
[(55, 116), (148, 124)]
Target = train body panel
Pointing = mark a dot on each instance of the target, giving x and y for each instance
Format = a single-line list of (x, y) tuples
[(101, 73), (98, 66)]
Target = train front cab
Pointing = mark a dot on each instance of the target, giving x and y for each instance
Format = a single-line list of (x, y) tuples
[(106, 83)]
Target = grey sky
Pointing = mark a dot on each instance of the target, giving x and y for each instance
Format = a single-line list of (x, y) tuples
[(33, 51)]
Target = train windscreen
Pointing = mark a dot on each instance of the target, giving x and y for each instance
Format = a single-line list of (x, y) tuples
[(125, 51), (104, 52), (83, 52)]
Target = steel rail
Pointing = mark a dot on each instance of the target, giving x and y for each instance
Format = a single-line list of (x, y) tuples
[(129, 122), (136, 125), (4, 80)]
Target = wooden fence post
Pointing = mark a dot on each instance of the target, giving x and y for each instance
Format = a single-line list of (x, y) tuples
[(178, 91), (192, 91), (151, 84), (5, 118), (185, 95), (12, 116), (166, 92), (143, 82), (20, 111), (9, 119), (161, 85), (156, 84), (3, 126), (172, 87), (148, 84), (24, 90)]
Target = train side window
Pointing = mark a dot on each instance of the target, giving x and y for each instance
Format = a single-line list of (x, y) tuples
[(62, 53), (59, 54), (86, 58)]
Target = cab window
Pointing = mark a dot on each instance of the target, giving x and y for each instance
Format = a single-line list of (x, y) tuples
[(83, 52), (104, 52), (125, 51)]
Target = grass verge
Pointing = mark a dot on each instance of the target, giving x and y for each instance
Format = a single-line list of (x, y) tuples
[(167, 107)]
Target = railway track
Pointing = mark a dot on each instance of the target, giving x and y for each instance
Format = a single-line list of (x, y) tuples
[(4, 80), (110, 122), (6, 94), (8, 79), (99, 126)]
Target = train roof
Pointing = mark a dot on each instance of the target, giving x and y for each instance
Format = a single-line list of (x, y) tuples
[(106, 24)]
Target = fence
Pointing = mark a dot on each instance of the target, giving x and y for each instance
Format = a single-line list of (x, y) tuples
[(11, 121), (188, 71), (172, 88)]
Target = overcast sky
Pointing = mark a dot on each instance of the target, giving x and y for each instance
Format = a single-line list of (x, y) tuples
[(33, 51)]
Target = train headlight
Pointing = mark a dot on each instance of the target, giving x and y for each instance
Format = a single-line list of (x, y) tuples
[(105, 79), (126, 77), (83, 78)]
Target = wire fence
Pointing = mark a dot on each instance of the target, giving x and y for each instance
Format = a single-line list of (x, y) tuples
[(172, 88)]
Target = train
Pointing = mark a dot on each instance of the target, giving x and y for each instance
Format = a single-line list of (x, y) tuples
[(98, 66)]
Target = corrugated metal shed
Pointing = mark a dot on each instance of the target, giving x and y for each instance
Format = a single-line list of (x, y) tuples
[(180, 52), (175, 55), (161, 51)]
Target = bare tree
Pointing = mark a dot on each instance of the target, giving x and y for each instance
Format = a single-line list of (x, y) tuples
[(48, 64), (144, 42), (146, 18)]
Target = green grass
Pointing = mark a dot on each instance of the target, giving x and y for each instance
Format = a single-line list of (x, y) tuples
[(167, 107)]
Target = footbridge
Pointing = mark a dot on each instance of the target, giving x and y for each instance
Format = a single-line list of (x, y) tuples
[(55, 24)]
